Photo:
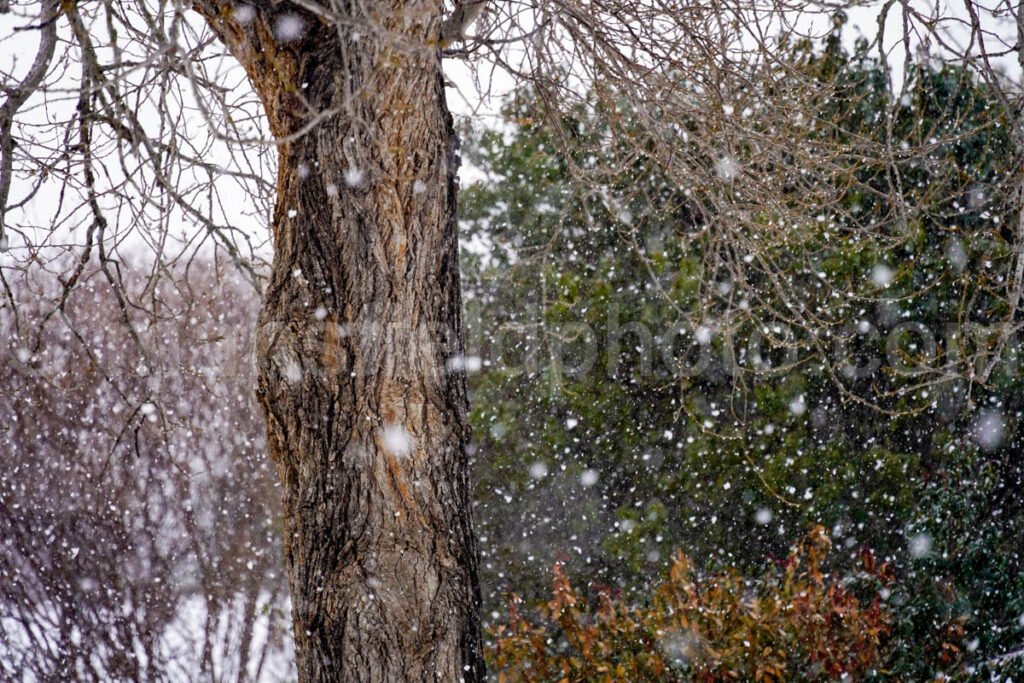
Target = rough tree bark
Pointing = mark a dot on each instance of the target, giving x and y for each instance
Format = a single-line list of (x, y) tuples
[(361, 317)]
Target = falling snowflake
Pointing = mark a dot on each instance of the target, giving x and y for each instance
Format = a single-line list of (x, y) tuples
[(798, 406), (726, 168), (920, 545), (956, 255), (397, 441), (289, 27), (292, 371), (244, 14), (989, 429), (882, 275), (354, 177), (467, 364)]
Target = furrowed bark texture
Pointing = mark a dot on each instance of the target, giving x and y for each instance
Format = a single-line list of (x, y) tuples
[(366, 422)]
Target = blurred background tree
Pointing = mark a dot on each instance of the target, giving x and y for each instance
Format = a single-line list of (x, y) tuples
[(140, 529)]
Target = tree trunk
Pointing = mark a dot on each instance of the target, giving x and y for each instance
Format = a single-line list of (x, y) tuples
[(362, 315)]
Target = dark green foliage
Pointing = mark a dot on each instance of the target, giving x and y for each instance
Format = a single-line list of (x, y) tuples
[(592, 303)]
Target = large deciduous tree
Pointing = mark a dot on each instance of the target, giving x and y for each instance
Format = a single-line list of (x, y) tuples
[(360, 323)]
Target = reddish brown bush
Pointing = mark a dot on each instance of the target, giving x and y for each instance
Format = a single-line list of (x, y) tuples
[(794, 623)]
